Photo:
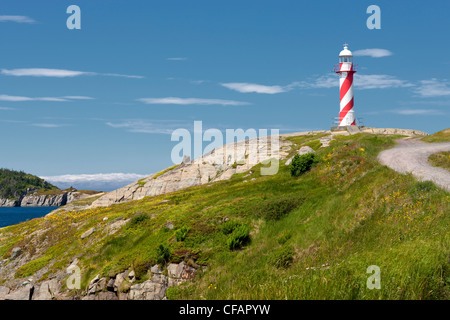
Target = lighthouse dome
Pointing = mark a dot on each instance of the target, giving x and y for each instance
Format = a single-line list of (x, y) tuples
[(345, 52)]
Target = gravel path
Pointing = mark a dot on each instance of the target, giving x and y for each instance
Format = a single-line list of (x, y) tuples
[(411, 155)]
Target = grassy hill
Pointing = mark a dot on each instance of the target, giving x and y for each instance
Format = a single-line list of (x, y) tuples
[(268, 237), (14, 184)]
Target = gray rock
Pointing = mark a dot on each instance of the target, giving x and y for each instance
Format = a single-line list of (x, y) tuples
[(147, 290), (110, 285), (3, 292), (22, 293), (47, 290), (15, 253), (303, 150), (156, 269), (88, 233)]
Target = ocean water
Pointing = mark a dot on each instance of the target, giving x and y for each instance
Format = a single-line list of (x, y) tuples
[(10, 216)]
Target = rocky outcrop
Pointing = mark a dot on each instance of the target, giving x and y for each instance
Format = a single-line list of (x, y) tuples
[(33, 200), (46, 200), (219, 164), (403, 132), (8, 203)]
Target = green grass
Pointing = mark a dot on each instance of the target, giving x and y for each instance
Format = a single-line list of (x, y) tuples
[(350, 212), (164, 171), (441, 159), (441, 136)]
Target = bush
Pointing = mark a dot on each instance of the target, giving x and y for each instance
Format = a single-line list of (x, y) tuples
[(274, 209), (138, 219), (181, 233), (229, 226), (163, 254), (141, 268), (282, 258), (284, 237), (239, 237), (302, 163)]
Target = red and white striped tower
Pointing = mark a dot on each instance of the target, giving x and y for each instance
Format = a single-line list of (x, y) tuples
[(346, 71)]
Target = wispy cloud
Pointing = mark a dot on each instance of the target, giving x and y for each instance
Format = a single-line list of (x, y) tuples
[(78, 98), (433, 88), (18, 19), (6, 108), (59, 73), (177, 59), (149, 126), (192, 101), (5, 97), (379, 81), (48, 125), (374, 53), (408, 112), (257, 88), (362, 81)]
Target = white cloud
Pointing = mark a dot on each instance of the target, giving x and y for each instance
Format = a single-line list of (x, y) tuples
[(6, 108), (417, 112), (78, 98), (374, 53), (433, 88), (48, 125), (72, 178), (361, 81), (18, 19), (256, 88), (190, 101), (379, 81), (146, 126), (99, 181), (42, 72), (177, 59), (59, 73), (5, 97)]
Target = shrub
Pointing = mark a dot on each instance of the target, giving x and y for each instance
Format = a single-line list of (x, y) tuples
[(239, 237), (282, 258), (302, 163), (163, 254), (138, 219), (181, 233), (141, 267), (229, 226), (274, 209), (284, 237)]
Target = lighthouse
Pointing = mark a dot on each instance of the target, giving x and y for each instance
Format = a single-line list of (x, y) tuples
[(346, 71)]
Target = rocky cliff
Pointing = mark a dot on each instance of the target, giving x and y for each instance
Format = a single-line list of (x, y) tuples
[(44, 200)]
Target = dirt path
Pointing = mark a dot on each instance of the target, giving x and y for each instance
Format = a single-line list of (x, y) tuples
[(411, 155)]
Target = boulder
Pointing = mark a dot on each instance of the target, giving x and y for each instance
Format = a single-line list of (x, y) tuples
[(47, 290), (3, 292), (88, 233), (147, 290), (22, 293), (303, 150), (15, 253)]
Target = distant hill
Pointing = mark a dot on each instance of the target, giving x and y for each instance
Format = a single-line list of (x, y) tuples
[(14, 184)]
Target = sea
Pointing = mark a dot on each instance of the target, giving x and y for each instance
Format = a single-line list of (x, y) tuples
[(10, 216)]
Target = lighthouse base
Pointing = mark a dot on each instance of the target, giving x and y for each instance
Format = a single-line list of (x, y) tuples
[(350, 129)]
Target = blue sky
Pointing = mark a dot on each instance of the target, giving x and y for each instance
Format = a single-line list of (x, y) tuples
[(95, 101)]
